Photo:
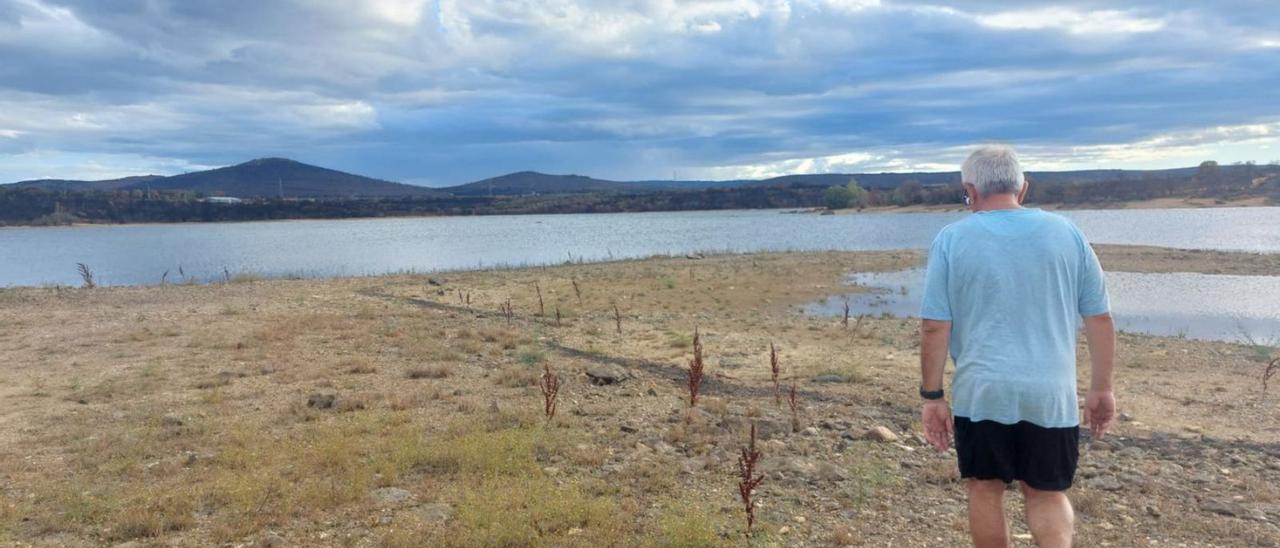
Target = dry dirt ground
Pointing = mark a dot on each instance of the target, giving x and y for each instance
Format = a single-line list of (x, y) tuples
[(406, 411)]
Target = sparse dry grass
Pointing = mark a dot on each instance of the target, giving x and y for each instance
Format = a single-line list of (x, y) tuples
[(433, 371), (179, 415)]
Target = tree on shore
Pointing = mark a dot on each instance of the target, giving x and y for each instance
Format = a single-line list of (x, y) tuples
[(909, 192), (847, 196)]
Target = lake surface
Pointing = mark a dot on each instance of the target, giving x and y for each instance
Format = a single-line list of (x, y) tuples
[(139, 254), (1197, 306)]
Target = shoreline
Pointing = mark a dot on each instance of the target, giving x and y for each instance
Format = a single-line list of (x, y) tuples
[(1159, 203), (1115, 258), (1162, 203)]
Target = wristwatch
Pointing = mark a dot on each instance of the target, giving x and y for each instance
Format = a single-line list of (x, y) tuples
[(931, 394)]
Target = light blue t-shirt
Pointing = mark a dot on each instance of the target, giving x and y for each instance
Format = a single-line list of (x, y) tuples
[(1014, 284)]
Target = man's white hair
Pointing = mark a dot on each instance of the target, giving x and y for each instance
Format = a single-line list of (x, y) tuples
[(993, 169)]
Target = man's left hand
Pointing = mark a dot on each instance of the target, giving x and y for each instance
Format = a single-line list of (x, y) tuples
[(936, 419)]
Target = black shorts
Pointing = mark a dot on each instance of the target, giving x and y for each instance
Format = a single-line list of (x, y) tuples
[(1043, 458)]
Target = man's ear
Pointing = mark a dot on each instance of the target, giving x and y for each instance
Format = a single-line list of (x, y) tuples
[(972, 191), (1026, 187)]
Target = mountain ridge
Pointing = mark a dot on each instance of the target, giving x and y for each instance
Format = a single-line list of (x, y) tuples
[(257, 178), (272, 177)]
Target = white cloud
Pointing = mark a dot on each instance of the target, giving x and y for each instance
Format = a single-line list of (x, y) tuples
[(709, 27), (1072, 21), (848, 6), (837, 163), (60, 164), (32, 114), (341, 115), (1186, 147), (399, 12), (1172, 149), (53, 28)]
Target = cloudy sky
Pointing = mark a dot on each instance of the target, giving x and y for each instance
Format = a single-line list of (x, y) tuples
[(448, 91)]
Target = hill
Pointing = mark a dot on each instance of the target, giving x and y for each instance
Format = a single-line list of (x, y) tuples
[(264, 177), (531, 182), (526, 183), (73, 185), (268, 177)]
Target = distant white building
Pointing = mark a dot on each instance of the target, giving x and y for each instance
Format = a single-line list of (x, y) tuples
[(223, 200)]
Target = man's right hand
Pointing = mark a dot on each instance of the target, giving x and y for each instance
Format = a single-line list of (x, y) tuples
[(1099, 411), (936, 419)]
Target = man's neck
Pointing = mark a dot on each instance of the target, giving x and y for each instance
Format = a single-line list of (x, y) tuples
[(998, 202)]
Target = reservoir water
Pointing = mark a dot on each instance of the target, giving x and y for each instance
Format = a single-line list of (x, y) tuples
[(1197, 306), (140, 254)]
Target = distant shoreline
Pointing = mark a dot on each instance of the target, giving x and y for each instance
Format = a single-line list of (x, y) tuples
[(1160, 203)]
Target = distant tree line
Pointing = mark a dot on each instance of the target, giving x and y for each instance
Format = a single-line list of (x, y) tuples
[(40, 207), (1209, 181)]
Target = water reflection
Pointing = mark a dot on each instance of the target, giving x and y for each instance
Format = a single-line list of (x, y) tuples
[(1197, 306)]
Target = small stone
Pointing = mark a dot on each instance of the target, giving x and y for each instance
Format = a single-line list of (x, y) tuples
[(830, 378), (321, 401), (880, 434), (1105, 483), (1125, 417), (629, 428), (784, 530), (435, 513), (390, 495), (810, 431), (1022, 536), (692, 466), (606, 374), (799, 519), (270, 540), (1223, 508), (1193, 429), (766, 428)]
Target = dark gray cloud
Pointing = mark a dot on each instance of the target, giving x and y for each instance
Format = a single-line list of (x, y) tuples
[(448, 91)]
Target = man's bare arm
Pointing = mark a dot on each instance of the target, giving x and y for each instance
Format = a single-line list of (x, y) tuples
[(1100, 403), (935, 337), (935, 416)]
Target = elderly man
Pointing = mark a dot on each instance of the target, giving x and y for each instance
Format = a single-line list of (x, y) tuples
[(1003, 292)]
